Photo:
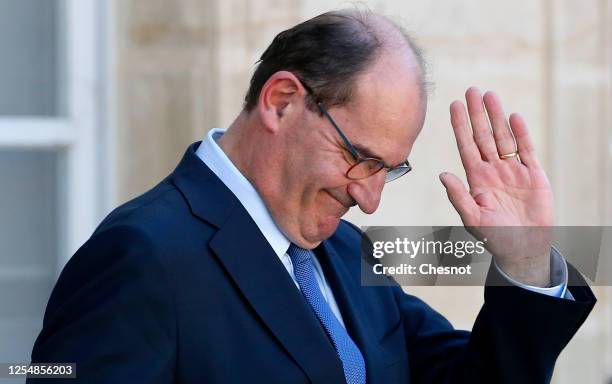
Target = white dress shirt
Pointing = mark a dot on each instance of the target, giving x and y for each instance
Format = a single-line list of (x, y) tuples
[(218, 162)]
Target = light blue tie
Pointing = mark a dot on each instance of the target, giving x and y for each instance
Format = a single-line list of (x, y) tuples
[(352, 360)]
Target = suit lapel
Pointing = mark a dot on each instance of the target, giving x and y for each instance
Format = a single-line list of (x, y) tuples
[(257, 271)]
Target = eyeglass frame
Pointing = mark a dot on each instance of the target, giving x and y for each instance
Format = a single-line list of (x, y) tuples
[(358, 157)]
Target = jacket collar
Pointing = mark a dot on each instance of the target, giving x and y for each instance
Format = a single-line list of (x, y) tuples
[(207, 196)]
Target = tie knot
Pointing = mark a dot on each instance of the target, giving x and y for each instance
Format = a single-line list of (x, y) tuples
[(299, 255)]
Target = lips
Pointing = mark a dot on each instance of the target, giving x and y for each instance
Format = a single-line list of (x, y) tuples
[(345, 204)]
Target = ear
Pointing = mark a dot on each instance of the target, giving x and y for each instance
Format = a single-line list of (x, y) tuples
[(281, 95)]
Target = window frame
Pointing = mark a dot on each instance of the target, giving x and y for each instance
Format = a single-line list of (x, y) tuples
[(81, 135)]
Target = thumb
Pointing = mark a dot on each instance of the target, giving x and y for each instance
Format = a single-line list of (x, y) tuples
[(460, 198)]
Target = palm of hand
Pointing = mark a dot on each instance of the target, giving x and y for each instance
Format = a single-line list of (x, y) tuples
[(508, 187), (509, 194)]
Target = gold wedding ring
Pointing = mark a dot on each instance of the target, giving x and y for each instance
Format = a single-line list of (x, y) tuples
[(508, 155)]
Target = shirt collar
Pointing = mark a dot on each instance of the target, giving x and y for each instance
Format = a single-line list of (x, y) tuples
[(213, 156)]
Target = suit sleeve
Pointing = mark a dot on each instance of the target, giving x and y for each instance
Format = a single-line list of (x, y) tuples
[(516, 338), (112, 313)]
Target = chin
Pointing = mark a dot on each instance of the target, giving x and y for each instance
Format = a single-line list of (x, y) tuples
[(327, 226)]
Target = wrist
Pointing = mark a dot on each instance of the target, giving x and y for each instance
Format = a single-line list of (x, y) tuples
[(533, 271)]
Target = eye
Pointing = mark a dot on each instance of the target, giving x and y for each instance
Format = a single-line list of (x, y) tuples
[(348, 156)]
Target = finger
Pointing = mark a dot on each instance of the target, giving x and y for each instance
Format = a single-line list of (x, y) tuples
[(463, 135), (480, 125), (501, 129), (460, 198), (524, 144)]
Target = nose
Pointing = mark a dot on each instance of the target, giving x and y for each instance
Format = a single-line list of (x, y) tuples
[(366, 192)]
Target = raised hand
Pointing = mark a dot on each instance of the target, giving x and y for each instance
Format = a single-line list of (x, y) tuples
[(508, 187)]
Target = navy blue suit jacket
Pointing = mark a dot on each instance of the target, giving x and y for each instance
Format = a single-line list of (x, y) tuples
[(180, 286)]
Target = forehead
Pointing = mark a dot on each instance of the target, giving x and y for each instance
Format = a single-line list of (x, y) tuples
[(389, 105)]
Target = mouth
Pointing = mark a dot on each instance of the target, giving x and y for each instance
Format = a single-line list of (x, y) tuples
[(346, 205)]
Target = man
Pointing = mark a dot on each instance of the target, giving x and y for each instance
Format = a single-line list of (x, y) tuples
[(237, 267)]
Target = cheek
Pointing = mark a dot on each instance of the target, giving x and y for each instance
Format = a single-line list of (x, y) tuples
[(320, 212), (319, 173), (330, 170)]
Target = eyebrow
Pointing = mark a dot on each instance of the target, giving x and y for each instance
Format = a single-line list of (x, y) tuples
[(369, 153), (366, 151)]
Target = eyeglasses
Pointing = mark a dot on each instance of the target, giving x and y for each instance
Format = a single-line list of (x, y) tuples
[(364, 166)]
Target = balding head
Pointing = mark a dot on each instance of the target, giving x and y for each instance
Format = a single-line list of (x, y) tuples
[(330, 51)]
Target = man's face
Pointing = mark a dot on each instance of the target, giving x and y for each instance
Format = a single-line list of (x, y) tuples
[(382, 121)]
